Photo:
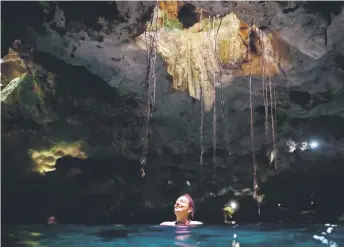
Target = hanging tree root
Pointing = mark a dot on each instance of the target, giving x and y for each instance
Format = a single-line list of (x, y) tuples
[(151, 82)]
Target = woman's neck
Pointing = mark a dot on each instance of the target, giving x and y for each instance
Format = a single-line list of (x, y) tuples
[(182, 220)]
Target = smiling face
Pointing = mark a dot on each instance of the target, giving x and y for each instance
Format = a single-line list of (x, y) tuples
[(182, 207)]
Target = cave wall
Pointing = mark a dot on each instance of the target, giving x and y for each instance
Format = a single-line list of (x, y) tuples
[(92, 74)]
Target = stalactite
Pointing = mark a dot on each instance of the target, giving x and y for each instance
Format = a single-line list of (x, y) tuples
[(151, 83), (254, 163), (214, 102), (207, 42), (272, 120)]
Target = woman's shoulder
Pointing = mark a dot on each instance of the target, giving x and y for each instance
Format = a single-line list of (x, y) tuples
[(172, 223), (195, 223), (168, 223)]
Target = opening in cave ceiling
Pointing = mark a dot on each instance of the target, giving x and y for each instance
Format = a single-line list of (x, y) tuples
[(188, 15), (189, 53), (203, 53)]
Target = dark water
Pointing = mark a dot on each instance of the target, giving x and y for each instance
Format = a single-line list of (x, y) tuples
[(267, 235)]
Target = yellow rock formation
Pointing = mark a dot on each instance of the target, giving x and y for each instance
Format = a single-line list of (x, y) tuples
[(45, 160), (170, 8), (196, 57)]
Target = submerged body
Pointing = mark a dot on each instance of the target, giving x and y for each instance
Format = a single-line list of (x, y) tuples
[(184, 210)]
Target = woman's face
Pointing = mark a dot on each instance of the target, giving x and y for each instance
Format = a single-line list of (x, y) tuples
[(181, 207)]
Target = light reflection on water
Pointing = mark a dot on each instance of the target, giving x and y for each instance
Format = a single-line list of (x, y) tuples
[(267, 235), (183, 236), (322, 238)]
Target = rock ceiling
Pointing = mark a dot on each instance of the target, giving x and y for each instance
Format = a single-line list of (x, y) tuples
[(200, 46), (213, 51)]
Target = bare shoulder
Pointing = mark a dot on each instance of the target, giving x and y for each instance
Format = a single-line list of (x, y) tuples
[(173, 223), (168, 223), (196, 223)]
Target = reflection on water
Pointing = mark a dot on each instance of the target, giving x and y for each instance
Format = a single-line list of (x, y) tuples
[(267, 235), (323, 237), (183, 236), (23, 238)]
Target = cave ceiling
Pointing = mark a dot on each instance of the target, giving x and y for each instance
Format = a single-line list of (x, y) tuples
[(207, 52)]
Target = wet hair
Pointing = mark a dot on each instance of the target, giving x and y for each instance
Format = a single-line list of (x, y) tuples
[(191, 205)]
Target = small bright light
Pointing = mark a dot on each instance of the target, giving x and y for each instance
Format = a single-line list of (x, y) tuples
[(234, 205), (314, 144), (303, 146)]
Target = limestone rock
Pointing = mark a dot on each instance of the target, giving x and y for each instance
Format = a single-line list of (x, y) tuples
[(92, 67), (198, 57)]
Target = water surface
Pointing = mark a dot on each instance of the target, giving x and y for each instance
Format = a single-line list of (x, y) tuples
[(267, 235)]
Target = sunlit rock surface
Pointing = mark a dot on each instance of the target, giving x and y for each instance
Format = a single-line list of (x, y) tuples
[(90, 64), (213, 52), (45, 160), (11, 67), (302, 25)]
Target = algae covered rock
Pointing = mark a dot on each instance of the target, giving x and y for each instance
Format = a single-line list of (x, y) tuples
[(25, 84)]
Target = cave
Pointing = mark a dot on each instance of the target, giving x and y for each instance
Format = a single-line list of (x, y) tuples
[(121, 116)]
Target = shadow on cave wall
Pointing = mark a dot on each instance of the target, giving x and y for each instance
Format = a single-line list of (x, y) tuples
[(91, 191), (317, 189)]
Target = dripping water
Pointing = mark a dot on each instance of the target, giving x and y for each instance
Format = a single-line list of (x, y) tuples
[(150, 83)]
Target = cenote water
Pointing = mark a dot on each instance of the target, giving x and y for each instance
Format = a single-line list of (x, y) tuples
[(266, 235)]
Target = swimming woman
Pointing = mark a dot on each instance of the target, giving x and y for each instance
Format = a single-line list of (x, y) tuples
[(184, 209)]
